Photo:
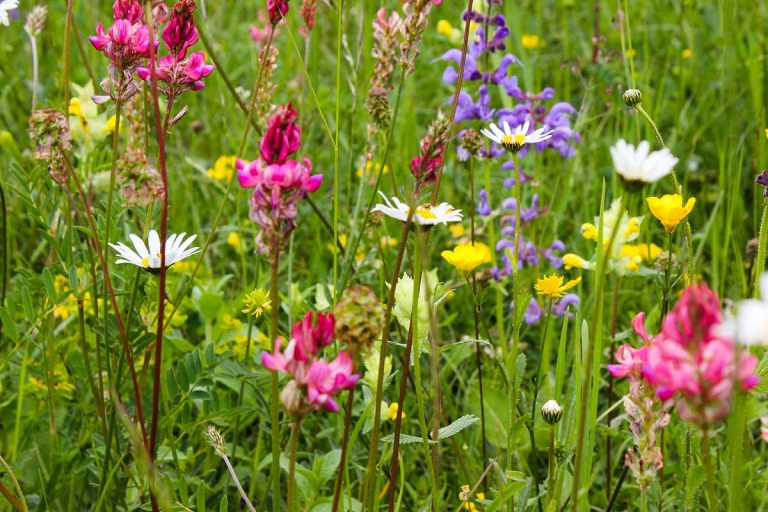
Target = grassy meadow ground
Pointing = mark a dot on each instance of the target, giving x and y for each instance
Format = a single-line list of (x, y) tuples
[(69, 434)]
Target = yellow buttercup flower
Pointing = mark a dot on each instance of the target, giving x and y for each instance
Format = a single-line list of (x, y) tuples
[(233, 240), (532, 42), (457, 230), (444, 28), (670, 210), (646, 252), (223, 168), (687, 53), (552, 286), (392, 412), (631, 53), (467, 257)]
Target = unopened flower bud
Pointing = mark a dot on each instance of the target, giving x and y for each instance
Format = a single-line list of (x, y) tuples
[(358, 317), (470, 142), (552, 412), (633, 97)]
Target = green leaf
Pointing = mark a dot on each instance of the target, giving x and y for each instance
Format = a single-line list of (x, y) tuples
[(200, 497), (462, 342), (325, 466), (50, 290), (457, 426), (505, 495), (445, 432), (404, 439), (762, 372), (73, 280), (695, 479), (224, 504), (9, 328)]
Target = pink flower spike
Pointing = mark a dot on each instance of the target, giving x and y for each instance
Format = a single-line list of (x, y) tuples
[(180, 32)]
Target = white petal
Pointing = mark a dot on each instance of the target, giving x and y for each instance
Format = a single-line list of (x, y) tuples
[(138, 243), (154, 242)]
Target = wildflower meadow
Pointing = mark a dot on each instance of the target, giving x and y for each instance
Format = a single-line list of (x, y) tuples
[(383, 255)]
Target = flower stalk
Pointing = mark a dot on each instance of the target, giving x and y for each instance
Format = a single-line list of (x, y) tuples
[(594, 334)]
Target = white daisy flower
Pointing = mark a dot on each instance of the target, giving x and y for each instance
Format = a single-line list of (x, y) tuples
[(749, 324), (515, 140), (5, 7), (639, 164), (425, 215), (176, 249)]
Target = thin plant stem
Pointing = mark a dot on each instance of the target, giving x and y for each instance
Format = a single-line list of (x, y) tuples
[(589, 363), (617, 489), (344, 448), (667, 274), (476, 316), (274, 426), (707, 460), (20, 500), (536, 387), (761, 250), (162, 130), (35, 79), (418, 270), (237, 483), (552, 468), (15, 503), (399, 419), (337, 150), (292, 446), (67, 47)]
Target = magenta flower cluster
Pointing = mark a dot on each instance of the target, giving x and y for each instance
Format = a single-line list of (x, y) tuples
[(127, 46), (177, 71), (278, 183), (314, 381), (690, 360)]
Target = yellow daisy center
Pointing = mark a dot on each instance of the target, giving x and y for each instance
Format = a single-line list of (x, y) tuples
[(425, 212), (145, 262)]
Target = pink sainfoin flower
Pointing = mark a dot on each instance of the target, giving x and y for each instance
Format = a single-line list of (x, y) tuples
[(277, 10), (690, 359), (278, 183), (178, 72), (308, 9), (126, 45), (647, 414), (314, 381)]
